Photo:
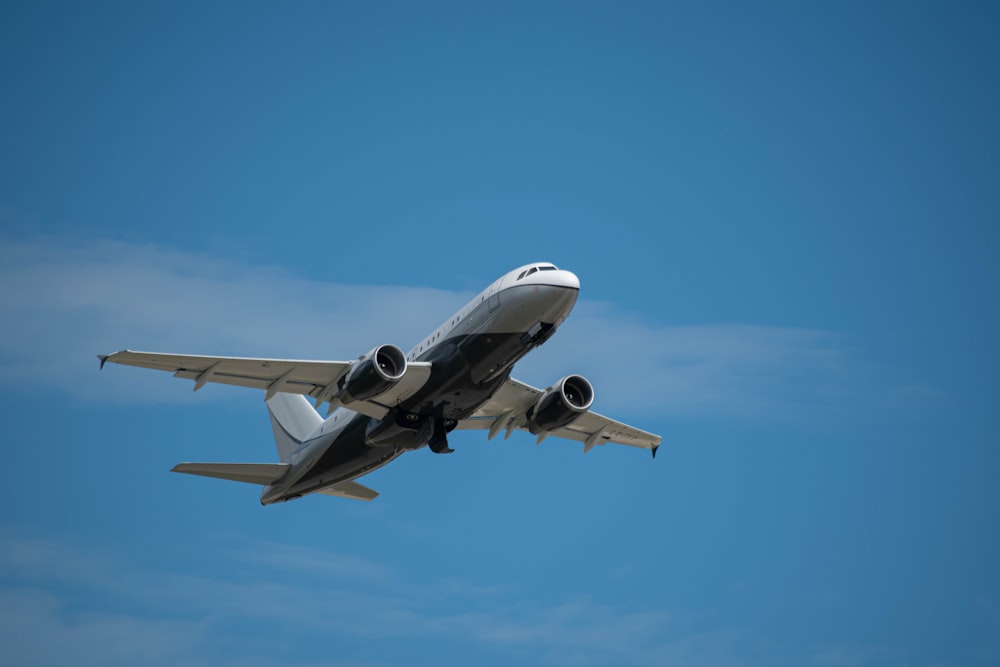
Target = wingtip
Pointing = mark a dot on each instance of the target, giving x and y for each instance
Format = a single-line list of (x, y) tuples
[(654, 450), (104, 357)]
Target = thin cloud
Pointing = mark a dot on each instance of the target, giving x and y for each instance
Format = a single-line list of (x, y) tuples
[(298, 559), (68, 303), (109, 610), (94, 606), (37, 627), (730, 369)]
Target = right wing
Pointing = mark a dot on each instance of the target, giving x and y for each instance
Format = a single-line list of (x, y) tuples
[(506, 409), (311, 378)]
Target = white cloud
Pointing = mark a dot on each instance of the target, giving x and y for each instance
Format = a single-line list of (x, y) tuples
[(729, 369), (73, 603), (300, 560), (100, 608), (37, 628), (66, 303)]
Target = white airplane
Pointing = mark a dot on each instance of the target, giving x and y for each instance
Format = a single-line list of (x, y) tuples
[(386, 403)]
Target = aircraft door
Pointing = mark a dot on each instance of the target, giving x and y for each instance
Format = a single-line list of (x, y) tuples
[(494, 295)]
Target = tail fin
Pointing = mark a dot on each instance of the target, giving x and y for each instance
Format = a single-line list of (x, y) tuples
[(293, 420)]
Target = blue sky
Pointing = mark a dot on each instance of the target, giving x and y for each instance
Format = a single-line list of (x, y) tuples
[(784, 218)]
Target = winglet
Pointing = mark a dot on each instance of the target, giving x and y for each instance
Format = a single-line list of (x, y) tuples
[(103, 358), (654, 450)]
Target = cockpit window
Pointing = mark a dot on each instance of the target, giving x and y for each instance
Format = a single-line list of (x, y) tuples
[(544, 267)]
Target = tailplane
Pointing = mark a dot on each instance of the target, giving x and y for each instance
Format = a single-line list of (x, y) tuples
[(293, 420), (251, 473), (267, 474)]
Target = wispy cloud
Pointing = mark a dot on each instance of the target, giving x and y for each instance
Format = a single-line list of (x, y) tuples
[(728, 369), (297, 559), (67, 302), (37, 627), (65, 601), (106, 609)]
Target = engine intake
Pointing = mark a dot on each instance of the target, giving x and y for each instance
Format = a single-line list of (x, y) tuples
[(561, 404), (374, 374)]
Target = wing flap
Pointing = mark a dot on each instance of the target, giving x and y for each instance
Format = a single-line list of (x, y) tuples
[(251, 473)]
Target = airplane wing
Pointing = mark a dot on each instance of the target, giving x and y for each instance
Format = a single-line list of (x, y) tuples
[(507, 408), (311, 378)]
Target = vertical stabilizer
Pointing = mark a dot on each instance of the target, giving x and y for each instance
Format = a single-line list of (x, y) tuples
[(293, 420)]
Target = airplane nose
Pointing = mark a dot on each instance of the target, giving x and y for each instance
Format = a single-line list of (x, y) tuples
[(567, 279)]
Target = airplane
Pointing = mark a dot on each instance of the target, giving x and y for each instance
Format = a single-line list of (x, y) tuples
[(386, 403)]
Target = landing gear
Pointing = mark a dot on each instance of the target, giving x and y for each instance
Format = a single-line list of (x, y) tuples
[(438, 442)]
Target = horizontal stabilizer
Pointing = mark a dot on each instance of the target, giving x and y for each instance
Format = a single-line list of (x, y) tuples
[(351, 490), (252, 473)]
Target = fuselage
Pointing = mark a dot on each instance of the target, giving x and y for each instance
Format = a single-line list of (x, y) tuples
[(471, 353)]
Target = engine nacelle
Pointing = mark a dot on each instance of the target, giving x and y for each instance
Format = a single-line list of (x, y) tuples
[(374, 374), (561, 404)]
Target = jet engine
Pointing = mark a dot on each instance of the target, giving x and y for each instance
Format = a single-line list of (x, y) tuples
[(560, 404), (374, 374)]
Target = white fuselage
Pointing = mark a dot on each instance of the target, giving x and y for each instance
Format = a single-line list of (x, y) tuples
[(472, 353)]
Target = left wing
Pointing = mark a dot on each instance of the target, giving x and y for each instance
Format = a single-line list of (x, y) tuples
[(508, 406), (312, 378)]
